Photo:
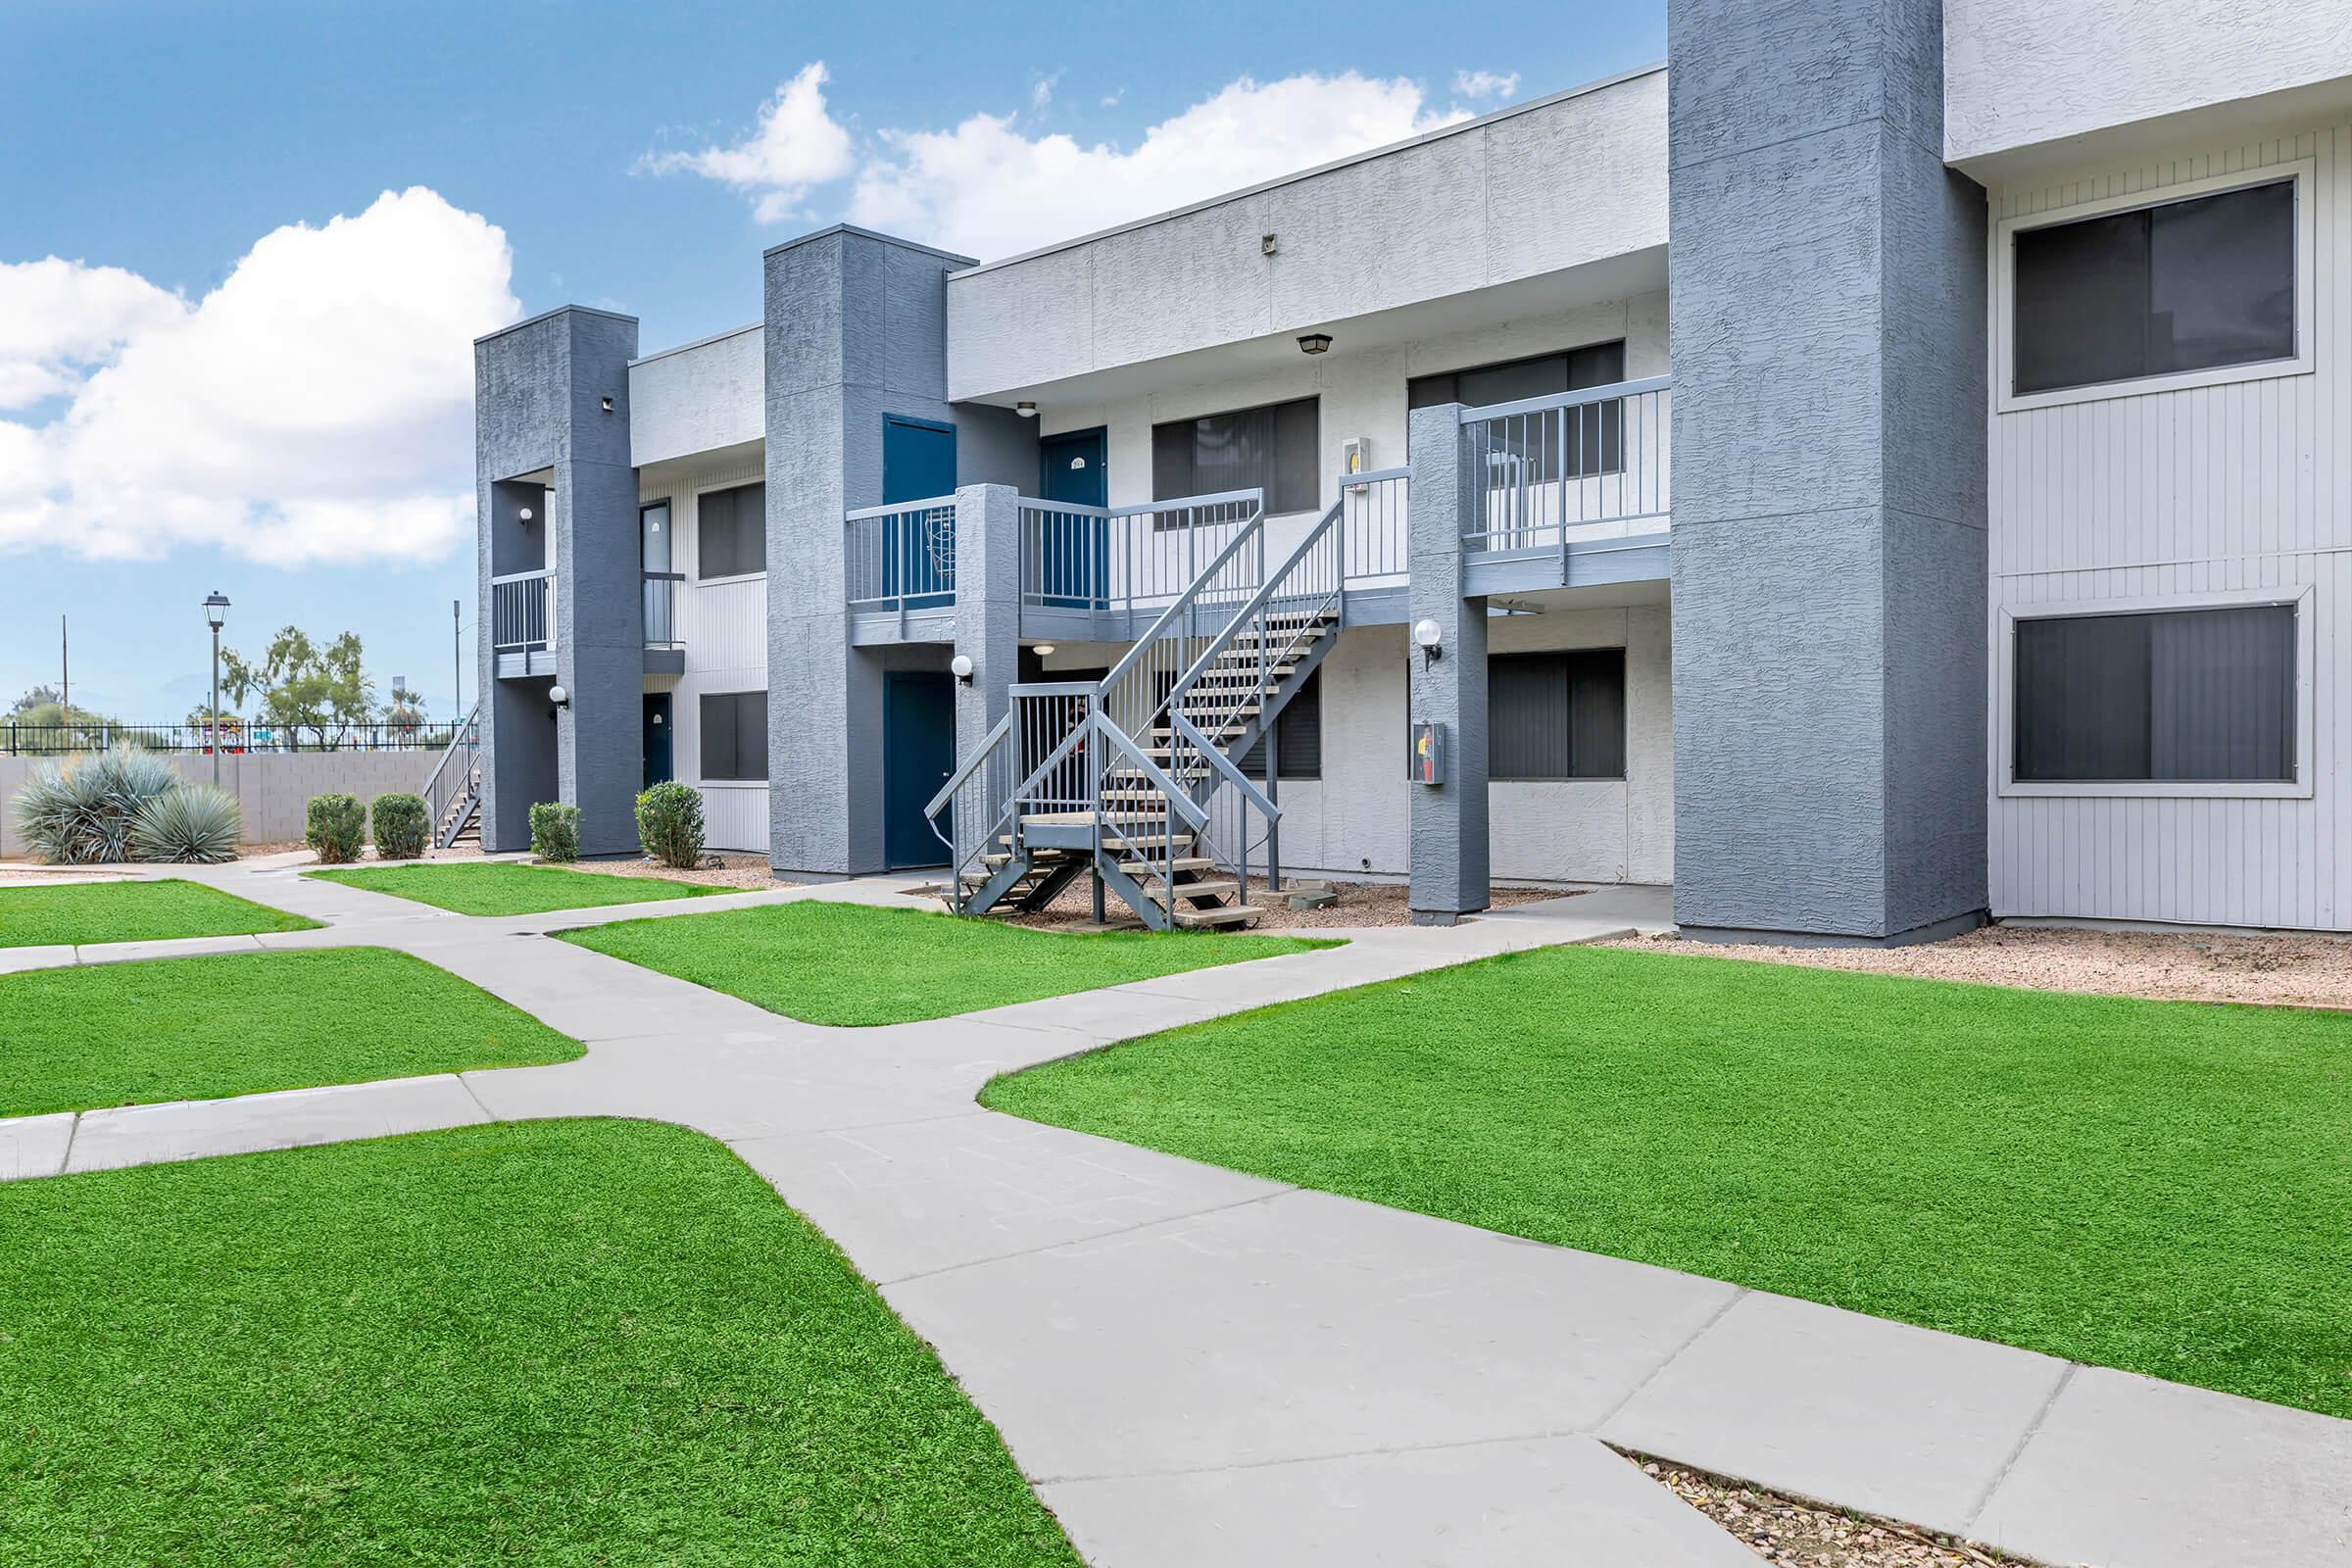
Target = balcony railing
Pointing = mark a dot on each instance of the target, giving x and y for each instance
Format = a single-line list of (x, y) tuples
[(1119, 558), (523, 611), (661, 609), (901, 556), (1551, 471)]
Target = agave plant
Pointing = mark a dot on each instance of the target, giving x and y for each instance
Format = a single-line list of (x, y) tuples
[(80, 810), (194, 824)]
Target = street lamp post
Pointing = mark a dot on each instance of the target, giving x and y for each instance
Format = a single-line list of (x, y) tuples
[(216, 610)]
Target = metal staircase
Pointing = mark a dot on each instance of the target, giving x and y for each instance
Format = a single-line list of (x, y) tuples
[(1134, 780), (453, 796)]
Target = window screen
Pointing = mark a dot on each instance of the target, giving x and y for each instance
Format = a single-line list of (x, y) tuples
[(1556, 716), (1298, 735), (733, 531), (2193, 696), (2190, 285), (1275, 449), (735, 736), (1587, 441)]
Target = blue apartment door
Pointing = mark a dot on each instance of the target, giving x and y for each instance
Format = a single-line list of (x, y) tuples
[(918, 550), (918, 754), (657, 726), (1075, 560)]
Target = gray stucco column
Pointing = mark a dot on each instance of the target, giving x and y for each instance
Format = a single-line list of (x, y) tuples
[(1449, 820), (552, 410), (1828, 335), (988, 608), (856, 328)]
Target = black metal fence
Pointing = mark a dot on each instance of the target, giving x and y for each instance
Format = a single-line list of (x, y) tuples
[(231, 738)]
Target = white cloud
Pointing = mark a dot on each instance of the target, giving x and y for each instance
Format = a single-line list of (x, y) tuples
[(795, 146), (1040, 94), (60, 319), (1477, 85), (317, 407), (990, 188)]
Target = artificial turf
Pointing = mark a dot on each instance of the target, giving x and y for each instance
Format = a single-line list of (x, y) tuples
[(847, 963), (132, 912), (502, 886), (2159, 1186), (581, 1343), (124, 1034)]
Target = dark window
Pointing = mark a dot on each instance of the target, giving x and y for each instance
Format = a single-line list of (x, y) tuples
[(2190, 696), (1579, 442), (1274, 448), (2189, 285), (1297, 736), (735, 736), (733, 531), (1556, 716)]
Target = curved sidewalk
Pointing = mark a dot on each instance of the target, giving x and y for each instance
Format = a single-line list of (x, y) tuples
[(1196, 1365)]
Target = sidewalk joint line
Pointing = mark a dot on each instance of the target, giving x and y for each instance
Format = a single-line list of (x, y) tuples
[(65, 1162), (1740, 1293), (465, 1082), (1984, 1498), (1551, 1435), (1080, 1241)]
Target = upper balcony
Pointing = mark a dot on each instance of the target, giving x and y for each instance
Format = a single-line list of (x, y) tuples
[(1572, 490), (523, 623)]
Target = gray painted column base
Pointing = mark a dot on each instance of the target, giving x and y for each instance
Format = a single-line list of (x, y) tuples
[(1933, 931), (1436, 917)]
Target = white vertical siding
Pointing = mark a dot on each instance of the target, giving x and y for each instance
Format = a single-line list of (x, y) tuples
[(2209, 489), (724, 627)]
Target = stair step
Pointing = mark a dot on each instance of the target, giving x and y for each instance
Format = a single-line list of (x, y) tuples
[(1207, 888), (1184, 863), (1223, 914)]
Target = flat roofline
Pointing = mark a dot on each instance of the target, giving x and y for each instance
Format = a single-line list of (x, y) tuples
[(548, 315), (698, 343), (1441, 133), (828, 232)]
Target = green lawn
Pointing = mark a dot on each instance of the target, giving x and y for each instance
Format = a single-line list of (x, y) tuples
[(132, 912), (126, 1034), (847, 963), (2159, 1186), (502, 887), (580, 1342)]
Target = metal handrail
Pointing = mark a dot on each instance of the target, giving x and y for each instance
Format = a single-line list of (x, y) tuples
[(964, 774), (1184, 601), (1257, 603), (1218, 761), (1563, 400)]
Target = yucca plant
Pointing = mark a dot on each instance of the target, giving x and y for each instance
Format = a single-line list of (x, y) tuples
[(195, 824), (79, 811)]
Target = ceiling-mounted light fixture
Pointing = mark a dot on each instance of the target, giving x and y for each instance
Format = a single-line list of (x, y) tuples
[(1044, 649), (1314, 343), (1025, 409)]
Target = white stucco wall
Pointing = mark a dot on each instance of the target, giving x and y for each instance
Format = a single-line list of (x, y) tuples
[(699, 397), (724, 627), (2021, 71), (1557, 184), (1352, 821)]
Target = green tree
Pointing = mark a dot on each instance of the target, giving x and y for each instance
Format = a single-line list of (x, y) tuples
[(299, 685), (405, 709)]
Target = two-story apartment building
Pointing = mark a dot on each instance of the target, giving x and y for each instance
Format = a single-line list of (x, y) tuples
[(1887, 465)]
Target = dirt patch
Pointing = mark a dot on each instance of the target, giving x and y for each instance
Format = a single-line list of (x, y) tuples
[(1360, 904), (1781, 1528), (2310, 971)]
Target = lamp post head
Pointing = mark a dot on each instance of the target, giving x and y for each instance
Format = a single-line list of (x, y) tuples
[(215, 609)]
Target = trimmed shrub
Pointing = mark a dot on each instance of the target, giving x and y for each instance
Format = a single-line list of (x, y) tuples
[(670, 824), (194, 824), (80, 810), (398, 822), (555, 831), (335, 826)]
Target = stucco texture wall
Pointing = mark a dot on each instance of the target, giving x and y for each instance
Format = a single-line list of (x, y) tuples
[(274, 790)]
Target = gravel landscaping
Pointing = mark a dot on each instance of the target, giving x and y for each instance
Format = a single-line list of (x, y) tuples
[(1781, 1528), (2311, 972), (1360, 904)]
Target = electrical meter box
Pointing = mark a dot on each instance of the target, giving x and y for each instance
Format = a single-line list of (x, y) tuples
[(1429, 753)]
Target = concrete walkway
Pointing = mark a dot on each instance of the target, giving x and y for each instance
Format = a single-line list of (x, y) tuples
[(1194, 1365)]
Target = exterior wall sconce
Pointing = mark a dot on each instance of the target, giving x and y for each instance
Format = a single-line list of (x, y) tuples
[(559, 696), (1025, 409), (961, 666), (608, 404), (1426, 634), (1314, 343), (523, 517)]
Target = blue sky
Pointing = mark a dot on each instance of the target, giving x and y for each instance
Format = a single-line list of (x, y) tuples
[(297, 439)]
